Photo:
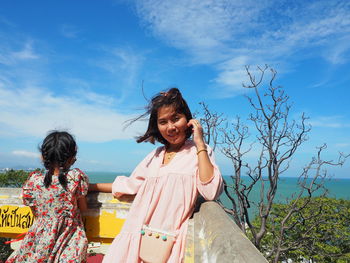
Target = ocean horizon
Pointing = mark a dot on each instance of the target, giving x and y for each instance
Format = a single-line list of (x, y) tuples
[(337, 187)]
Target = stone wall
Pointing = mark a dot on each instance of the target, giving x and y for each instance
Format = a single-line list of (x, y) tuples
[(212, 235)]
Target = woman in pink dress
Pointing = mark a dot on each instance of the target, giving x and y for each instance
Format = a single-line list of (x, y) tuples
[(167, 182)]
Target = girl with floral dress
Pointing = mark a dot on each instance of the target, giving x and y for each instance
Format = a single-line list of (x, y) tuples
[(167, 182), (56, 199)]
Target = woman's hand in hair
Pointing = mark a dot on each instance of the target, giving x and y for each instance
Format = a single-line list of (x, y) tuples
[(197, 132), (205, 167)]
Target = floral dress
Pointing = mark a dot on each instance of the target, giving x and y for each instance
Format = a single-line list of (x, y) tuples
[(57, 234)]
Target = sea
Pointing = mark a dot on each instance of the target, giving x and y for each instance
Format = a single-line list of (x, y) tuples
[(287, 188)]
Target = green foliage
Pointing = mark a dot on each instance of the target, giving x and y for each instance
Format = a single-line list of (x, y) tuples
[(320, 232), (11, 178), (14, 178), (5, 249)]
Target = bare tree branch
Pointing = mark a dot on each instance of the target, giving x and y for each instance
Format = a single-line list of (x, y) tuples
[(277, 139)]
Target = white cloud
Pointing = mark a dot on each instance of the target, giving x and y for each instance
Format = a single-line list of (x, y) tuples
[(203, 28), (6, 22), (96, 98), (69, 31), (26, 53), (329, 122), (20, 160), (23, 153), (342, 145), (82, 89), (124, 62), (29, 107), (124, 65), (264, 32), (339, 53), (9, 56), (231, 76), (33, 112)]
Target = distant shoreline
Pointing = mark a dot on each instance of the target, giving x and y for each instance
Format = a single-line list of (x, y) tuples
[(338, 187), (106, 173)]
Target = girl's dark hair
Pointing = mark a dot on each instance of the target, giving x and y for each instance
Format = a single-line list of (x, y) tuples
[(58, 150), (173, 98)]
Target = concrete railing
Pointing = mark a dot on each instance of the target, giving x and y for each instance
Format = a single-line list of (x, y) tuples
[(217, 238), (212, 235)]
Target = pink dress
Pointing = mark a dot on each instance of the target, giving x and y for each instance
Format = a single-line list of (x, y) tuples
[(165, 199)]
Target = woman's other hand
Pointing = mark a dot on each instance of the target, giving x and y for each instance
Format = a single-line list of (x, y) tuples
[(101, 187)]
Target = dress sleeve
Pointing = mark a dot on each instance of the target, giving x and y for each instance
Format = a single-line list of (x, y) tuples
[(82, 181), (213, 188), (131, 184), (28, 197)]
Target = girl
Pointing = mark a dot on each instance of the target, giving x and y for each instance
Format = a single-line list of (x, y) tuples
[(56, 200), (166, 183)]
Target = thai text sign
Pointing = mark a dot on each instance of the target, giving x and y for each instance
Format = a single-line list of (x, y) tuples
[(15, 219), (18, 219)]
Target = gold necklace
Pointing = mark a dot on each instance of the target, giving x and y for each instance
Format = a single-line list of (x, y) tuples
[(169, 155)]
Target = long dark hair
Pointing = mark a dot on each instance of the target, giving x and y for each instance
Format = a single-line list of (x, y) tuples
[(173, 98), (58, 150)]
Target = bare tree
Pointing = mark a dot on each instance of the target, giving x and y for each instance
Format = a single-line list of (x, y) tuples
[(277, 138), (211, 122)]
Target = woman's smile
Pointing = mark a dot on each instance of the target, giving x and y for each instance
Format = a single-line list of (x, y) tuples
[(172, 125)]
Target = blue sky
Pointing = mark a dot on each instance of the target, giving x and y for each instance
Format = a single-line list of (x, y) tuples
[(80, 65)]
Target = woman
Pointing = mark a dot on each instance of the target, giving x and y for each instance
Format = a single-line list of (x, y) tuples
[(167, 182)]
